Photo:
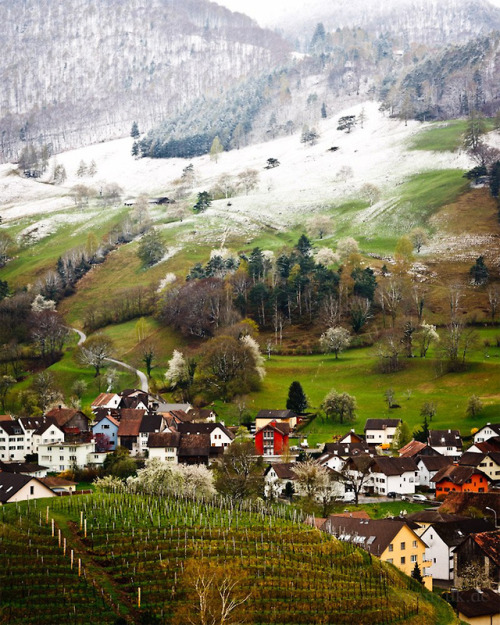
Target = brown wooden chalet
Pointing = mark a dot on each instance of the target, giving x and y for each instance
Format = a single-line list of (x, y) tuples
[(70, 420)]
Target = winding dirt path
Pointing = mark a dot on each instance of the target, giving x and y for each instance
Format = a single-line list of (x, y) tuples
[(144, 385)]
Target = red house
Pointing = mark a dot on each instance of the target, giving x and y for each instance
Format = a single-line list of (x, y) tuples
[(460, 479), (272, 439)]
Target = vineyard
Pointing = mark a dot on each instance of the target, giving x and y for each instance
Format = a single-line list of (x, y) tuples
[(136, 559)]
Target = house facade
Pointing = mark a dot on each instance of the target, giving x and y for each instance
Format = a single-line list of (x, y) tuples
[(107, 426), (164, 446), (460, 479), (428, 466), (488, 431), (446, 442), (381, 431), (18, 487), (272, 440), (392, 540), (64, 456), (442, 539), (397, 475)]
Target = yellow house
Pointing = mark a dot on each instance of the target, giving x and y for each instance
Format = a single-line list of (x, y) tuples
[(392, 540), (488, 463)]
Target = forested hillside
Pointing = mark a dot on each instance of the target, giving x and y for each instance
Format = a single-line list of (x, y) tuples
[(79, 71)]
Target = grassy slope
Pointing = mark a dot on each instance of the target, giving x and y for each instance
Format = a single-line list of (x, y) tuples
[(284, 564), (355, 373)]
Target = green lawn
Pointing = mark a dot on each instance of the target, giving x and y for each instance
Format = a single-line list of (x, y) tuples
[(355, 373), (385, 508), (443, 136)]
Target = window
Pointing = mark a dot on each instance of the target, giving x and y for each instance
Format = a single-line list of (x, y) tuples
[(391, 547), (61, 458), (414, 558), (403, 546), (105, 426), (403, 560), (414, 544), (389, 560), (32, 490)]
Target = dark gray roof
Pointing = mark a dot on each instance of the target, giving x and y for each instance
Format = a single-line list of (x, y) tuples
[(284, 470), (453, 533), (21, 467), (471, 459), (11, 483), (393, 466), (202, 428), (381, 424), (11, 428), (445, 438), (275, 414), (151, 423), (346, 449), (374, 535), (435, 463)]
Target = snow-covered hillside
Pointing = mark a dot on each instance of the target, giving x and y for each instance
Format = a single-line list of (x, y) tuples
[(309, 179)]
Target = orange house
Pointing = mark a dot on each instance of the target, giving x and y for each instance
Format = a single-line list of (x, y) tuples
[(460, 479)]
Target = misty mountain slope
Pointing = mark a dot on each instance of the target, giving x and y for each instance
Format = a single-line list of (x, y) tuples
[(81, 71), (429, 22)]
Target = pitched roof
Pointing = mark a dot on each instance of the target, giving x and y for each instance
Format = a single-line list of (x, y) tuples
[(63, 415), (434, 516), (471, 459), (107, 416), (180, 416), (203, 428), (434, 463), (276, 414), (11, 483), (381, 424), (6, 417), (457, 474), (492, 444), (48, 422), (393, 466), (21, 467), (283, 428), (478, 602), (493, 426), (445, 438), (460, 503), (374, 535), (411, 449), (130, 423), (355, 514), (489, 542), (346, 449), (284, 470), (102, 400), (158, 440), (11, 428), (453, 533), (151, 423), (56, 482), (356, 438), (194, 445)]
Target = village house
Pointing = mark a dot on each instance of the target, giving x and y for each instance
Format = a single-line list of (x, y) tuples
[(71, 421), (107, 426), (488, 431), (164, 446), (59, 484), (129, 429), (279, 479), (428, 466), (478, 606), (26, 468), (492, 444), (460, 479), (106, 401), (446, 442), (442, 539), (488, 463), (381, 432), (397, 475), (279, 416), (219, 435), (427, 518), (415, 449), (392, 540), (483, 551), (272, 439), (18, 487), (12, 441), (65, 456)]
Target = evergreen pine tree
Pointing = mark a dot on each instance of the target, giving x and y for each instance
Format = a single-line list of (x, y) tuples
[(134, 133), (297, 400), (417, 574)]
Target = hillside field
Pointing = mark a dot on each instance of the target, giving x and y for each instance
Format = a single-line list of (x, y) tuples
[(138, 559)]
